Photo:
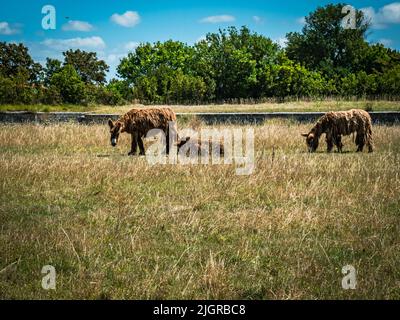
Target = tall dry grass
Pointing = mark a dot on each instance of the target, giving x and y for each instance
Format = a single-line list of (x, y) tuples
[(323, 105), (115, 227)]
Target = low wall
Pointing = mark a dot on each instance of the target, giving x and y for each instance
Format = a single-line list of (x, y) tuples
[(386, 117)]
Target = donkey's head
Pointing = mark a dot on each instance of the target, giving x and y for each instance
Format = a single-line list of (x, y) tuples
[(312, 141), (115, 129), (181, 142)]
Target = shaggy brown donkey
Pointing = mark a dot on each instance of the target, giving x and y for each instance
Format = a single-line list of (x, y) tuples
[(336, 124), (138, 122)]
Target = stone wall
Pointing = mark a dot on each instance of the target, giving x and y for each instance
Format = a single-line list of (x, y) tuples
[(388, 117)]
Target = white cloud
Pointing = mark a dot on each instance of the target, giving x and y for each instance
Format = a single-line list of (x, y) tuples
[(6, 29), (74, 25), (282, 42), (369, 13), (258, 19), (114, 58), (131, 45), (385, 42), (87, 43), (218, 19), (389, 14), (301, 20), (201, 38), (373, 17), (129, 19)]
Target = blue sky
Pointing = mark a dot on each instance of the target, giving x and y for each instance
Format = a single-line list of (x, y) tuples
[(113, 28)]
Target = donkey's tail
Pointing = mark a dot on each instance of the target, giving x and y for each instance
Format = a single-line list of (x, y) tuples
[(368, 138)]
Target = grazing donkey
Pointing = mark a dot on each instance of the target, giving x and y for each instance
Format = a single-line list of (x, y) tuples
[(138, 122), (336, 124)]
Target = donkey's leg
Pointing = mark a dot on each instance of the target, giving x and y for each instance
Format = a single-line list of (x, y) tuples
[(141, 146), (338, 142), (172, 137), (170, 131), (167, 142), (133, 145), (360, 141), (370, 147), (329, 142)]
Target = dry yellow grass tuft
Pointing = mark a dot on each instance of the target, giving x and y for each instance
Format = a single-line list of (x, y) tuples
[(115, 227)]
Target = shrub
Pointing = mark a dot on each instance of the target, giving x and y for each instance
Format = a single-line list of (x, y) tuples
[(8, 92), (51, 95), (70, 85), (359, 84), (290, 79), (389, 82)]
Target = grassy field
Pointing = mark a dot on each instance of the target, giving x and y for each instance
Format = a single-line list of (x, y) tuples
[(115, 227), (299, 106)]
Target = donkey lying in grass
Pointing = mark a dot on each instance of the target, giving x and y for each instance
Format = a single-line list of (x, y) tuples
[(201, 147), (138, 122), (336, 124)]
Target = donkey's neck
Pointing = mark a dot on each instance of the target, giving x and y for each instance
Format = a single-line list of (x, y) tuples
[(320, 127)]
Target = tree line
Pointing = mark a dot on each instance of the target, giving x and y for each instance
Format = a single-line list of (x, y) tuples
[(324, 59)]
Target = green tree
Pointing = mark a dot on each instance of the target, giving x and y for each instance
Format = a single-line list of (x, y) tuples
[(8, 91), (375, 59), (389, 81), (325, 45), (69, 84), (111, 94), (15, 59), (89, 67), (148, 58), (186, 88), (51, 95), (153, 70), (146, 88), (17, 89), (120, 88), (52, 66), (359, 84), (233, 62), (292, 79)]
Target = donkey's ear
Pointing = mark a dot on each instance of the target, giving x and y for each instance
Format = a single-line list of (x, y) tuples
[(182, 142), (110, 123), (119, 125), (304, 135)]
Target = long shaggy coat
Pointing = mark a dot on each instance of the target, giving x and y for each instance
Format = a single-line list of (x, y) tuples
[(138, 122), (342, 123)]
